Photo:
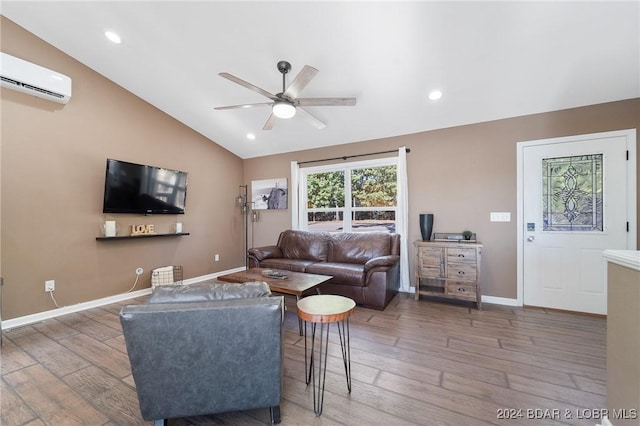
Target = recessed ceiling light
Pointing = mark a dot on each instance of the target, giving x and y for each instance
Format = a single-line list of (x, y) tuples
[(435, 95), (251, 136), (115, 38)]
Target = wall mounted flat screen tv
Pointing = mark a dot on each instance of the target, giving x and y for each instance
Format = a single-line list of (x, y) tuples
[(137, 188)]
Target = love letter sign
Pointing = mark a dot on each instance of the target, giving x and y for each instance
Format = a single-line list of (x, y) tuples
[(142, 230)]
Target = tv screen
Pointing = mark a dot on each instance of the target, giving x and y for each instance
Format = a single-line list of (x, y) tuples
[(136, 188)]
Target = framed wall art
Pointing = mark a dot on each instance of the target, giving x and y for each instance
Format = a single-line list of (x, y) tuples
[(269, 194)]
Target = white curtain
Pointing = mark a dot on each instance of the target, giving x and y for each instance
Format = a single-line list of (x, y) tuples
[(402, 219), (294, 194)]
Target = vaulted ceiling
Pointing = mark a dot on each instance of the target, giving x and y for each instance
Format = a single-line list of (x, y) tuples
[(490, 60)]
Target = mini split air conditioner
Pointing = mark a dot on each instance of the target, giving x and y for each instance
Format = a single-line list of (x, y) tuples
[(23, 76)]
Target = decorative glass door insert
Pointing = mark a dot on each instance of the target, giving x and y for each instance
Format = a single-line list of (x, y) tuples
[(572, 193)]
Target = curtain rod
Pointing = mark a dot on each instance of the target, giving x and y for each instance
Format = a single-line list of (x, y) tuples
[(352, 156)]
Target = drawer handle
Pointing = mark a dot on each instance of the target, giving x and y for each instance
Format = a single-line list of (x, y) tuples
[(461, 272), (462, 289), (461, 255)]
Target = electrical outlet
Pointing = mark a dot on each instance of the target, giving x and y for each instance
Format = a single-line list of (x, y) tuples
[(216, 257), (139, 271), (50, 285)]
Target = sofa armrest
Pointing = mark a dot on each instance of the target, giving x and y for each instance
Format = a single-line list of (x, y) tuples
[(267, 252), (381, 262)]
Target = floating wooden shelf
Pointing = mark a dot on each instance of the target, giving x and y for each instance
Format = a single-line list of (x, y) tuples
[(136, 237)]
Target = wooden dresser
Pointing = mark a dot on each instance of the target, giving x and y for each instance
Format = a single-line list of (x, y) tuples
[(448, 269)]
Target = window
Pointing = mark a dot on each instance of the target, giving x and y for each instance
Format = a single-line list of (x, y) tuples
[(572, 193), (354, 197)]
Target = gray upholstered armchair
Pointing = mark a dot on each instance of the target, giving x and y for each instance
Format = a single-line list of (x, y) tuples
[(205, 349)]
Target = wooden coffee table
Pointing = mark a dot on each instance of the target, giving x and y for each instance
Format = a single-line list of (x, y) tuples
[(296, 283)]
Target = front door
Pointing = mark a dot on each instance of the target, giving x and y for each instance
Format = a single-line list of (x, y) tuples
[(578, 199)]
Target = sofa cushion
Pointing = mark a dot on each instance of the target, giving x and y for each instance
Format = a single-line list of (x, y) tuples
[(295, 265), (358, 247), (344, 273), (304, 245), (208, 292)]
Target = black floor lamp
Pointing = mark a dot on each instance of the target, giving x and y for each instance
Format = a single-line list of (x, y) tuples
[(246, 209)]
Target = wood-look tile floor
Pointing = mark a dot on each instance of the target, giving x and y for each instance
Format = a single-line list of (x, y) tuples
[(415, 363)]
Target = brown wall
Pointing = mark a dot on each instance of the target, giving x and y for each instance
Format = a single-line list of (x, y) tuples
[(52, 175), (461, 174)]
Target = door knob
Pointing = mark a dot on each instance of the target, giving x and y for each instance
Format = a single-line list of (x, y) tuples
[(531, 238)]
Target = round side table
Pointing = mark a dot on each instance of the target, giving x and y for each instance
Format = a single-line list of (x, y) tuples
[(325, 309)]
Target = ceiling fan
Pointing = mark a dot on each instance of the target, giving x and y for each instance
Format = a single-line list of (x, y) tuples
[(286, 103)]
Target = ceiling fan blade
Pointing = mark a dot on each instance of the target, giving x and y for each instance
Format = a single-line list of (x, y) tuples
[(311, 119), (244, 106), (268, 125), (325, 101), (300, 82), (249, 86)]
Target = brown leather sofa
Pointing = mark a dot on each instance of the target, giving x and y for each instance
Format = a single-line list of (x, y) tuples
[(365, 265)]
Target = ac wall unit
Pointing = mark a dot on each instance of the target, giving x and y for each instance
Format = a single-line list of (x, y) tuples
[(23, 76)]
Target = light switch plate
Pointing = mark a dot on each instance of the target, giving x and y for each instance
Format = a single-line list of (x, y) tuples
[(500, 217)]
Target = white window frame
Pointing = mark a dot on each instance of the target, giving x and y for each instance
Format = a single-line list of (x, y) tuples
[(348, 208)]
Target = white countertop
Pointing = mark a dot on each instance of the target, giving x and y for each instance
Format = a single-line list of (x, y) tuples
[(627, 258)]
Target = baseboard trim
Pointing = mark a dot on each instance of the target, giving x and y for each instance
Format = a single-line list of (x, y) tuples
[(501, 301), (485, 299), (41, 316), (210, 277)]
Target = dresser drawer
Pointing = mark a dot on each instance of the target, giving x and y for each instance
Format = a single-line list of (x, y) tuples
[(462, 271), (461, 255), (461, 290)]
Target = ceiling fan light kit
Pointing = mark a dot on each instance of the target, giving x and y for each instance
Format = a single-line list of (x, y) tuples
[(282, 109), (286, 103)]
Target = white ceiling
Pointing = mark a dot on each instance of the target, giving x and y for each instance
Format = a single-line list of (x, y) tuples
[(491, 60)]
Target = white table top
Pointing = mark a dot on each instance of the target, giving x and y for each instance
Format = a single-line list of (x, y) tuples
[(627, 258)]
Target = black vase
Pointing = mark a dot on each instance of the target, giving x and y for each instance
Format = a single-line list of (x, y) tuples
[(426, 225)]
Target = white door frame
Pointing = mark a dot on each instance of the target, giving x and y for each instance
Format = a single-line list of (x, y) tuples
[(631, 193)]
